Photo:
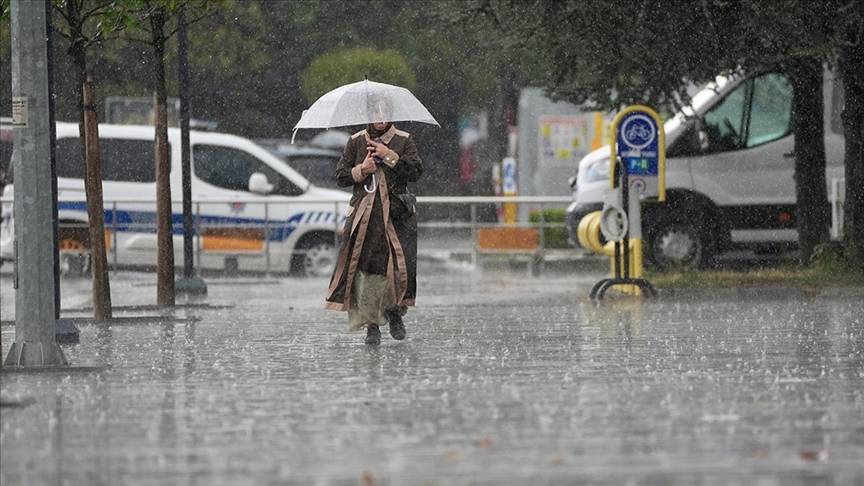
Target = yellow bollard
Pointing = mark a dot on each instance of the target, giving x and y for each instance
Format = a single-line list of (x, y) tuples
[(588, 233)]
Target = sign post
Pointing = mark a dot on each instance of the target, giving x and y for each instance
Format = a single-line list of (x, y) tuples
[(637, 171), (509, 188), (190, 284)]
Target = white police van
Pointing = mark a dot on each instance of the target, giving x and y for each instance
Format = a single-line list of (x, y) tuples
[(252, 211), (729, 172)]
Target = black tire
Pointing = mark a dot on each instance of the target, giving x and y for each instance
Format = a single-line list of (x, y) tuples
[(315, 256), (677, 245)]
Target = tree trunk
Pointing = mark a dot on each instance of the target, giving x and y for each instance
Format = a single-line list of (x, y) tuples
[(92, 163), (851, 66), (813, 211), (95, 208), (164, 217)]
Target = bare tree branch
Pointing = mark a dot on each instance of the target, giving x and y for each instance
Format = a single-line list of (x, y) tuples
[(62, 13), (190, 22), (97, 10), (62, 33), (136, 40)]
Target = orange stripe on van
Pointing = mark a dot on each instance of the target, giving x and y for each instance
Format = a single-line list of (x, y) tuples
[(230, 239)]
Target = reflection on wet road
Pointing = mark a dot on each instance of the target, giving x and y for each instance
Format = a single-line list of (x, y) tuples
[(503, 380)]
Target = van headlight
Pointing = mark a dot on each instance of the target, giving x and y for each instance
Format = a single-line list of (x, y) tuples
[(596, 171)]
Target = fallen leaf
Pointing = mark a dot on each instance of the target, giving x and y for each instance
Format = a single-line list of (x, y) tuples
[(820, 455)]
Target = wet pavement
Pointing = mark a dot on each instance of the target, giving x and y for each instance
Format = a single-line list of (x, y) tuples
[(504, 379)]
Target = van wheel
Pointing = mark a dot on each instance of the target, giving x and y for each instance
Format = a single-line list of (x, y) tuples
[(316, 257), (677, 246)]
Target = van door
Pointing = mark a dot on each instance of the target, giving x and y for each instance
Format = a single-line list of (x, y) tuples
[(128, 172), (234, 225), (746, 164)]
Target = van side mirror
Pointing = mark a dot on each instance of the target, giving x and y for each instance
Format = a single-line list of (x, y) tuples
[(258, 184)]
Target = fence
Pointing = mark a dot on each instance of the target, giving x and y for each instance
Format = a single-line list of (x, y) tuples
[(247, 233)]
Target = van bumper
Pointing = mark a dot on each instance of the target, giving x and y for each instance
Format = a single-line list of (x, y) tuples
[(575, 213)]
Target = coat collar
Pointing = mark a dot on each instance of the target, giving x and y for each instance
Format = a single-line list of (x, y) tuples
[(388, 135)]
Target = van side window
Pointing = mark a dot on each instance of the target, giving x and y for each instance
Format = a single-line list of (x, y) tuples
[(123, 160), (758, 111), (770, 109), (230, 169), (724, 123)]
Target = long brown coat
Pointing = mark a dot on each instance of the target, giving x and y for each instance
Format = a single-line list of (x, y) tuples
[(380, 233)]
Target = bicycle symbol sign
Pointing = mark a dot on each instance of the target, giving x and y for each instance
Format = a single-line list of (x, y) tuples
[(638, 131), (638, 141)]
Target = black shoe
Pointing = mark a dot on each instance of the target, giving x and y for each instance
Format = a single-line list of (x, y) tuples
[(397, 327), (373, 335)]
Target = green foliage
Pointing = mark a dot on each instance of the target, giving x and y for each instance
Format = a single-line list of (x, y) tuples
[(554, 236), (337, 68), (609, 54)]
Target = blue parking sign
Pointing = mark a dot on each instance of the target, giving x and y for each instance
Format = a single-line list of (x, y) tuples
[(639, 140)]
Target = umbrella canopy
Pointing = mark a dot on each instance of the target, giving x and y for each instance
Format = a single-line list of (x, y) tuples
[(363, 103)]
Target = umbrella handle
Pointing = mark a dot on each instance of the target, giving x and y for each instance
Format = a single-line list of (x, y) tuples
[(374, 185)]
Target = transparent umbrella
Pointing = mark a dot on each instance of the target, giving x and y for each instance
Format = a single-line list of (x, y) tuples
[(362, 103)]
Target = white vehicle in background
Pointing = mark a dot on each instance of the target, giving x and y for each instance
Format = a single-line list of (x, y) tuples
[(729, 172), (252, 211)]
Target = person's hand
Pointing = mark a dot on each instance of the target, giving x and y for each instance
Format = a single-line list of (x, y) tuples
[(368, 165), (379, 149)]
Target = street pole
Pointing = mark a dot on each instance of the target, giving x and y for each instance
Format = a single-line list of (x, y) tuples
[(37, 306), (189, 284)]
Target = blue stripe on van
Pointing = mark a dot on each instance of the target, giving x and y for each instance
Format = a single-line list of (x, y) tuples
[(145, 221)]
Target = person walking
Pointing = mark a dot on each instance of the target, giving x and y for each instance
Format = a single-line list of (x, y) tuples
[(375, 279)]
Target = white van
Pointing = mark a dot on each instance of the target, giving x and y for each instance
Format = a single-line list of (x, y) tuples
[(729, 172), (251, 211)]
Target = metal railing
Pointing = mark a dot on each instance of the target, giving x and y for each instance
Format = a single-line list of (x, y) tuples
[(447, 226)]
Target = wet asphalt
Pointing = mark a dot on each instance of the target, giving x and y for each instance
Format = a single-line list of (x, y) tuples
[(504, 379)]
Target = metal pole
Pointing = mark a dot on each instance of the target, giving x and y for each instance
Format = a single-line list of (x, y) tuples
[(625, 202), (189, 284), (473, 234), (184, 143), (336, 225), (541, 257), (114, 234), (267, 238), (198, 232), (37, 296)]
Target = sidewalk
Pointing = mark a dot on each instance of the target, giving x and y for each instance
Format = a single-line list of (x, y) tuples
[(504, 379)]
